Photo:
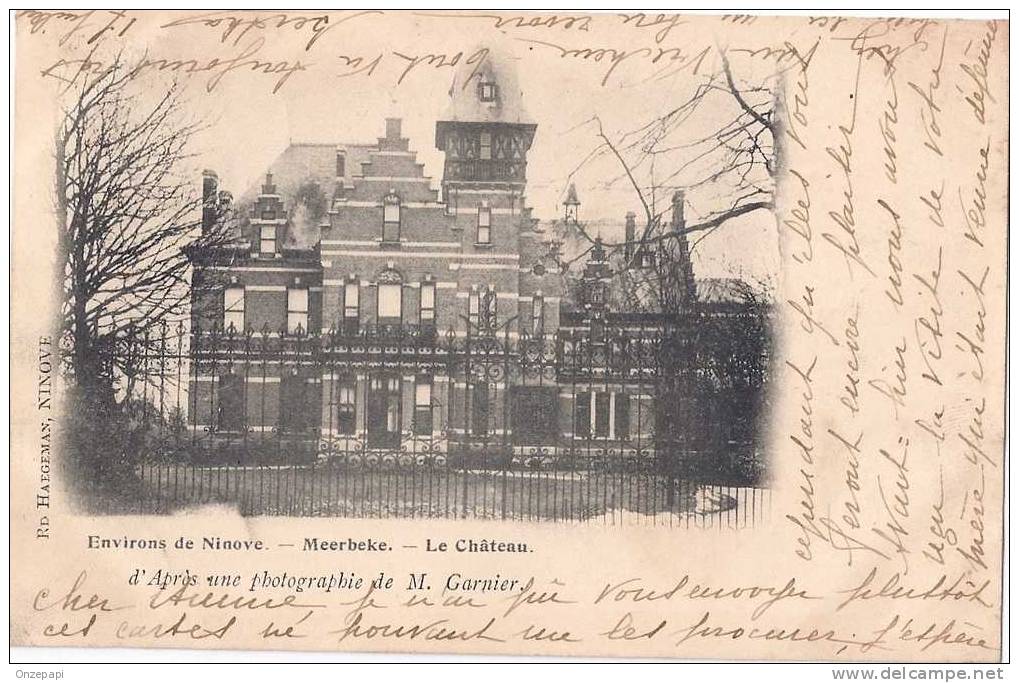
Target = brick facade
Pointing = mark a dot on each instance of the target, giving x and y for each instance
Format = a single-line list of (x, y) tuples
[(353, 240)]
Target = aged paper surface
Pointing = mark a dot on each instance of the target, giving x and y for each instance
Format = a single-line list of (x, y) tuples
[(623, 335)]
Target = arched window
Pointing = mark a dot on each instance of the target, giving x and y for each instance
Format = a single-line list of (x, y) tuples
[(391, 218)]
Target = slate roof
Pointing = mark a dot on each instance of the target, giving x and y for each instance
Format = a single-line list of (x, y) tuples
[(303, 161)]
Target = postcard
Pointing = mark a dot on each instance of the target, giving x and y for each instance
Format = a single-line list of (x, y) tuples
[(475, 332)]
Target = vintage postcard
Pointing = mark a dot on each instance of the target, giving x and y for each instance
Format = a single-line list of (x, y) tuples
[(589, 334)]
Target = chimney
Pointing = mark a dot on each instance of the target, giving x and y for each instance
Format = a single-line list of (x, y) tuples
[(393, 129), (631, 235), (268, 187), (226, 198), (210, 208), (679, 227), (677, 210), (394, 140)]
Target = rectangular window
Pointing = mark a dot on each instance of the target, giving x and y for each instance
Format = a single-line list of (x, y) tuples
[(487, 91), (488, 310), (341, 165), (486, 145), (534, 412), (602, 415), (480, 405), (294, 413), (621, 418), (230, 403), (423, 406), (393, 405), (297, 310), (427, 303), (582, 414), (391, 221), (482, 309), (346, 392), (484, 225), (233, 309), (473, 308), (390, 303), (267, 239), (351, 299), (537, 316)]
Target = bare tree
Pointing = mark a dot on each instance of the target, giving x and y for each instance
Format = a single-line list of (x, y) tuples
[(128, 209), (129, 214), (730, 170), (698, 167)]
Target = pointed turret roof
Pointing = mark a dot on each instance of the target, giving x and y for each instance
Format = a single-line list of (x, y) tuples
[(469, 102), (571, 196)]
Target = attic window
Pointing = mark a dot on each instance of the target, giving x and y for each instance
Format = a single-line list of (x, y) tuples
[(487, 91)]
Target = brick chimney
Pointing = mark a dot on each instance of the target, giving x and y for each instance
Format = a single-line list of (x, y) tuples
[(210, 199), (394, 140), (631, 235), (679, 227)]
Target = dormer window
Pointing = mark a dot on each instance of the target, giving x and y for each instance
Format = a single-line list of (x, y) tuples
[(487, 91), (391, 218), (484, 224)]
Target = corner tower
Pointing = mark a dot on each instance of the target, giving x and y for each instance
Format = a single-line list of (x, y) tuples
[(485, 133)]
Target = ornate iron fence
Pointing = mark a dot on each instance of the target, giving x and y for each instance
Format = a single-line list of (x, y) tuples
[(401, 421)]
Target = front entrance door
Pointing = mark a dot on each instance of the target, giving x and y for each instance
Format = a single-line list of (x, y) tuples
[(384, 411)]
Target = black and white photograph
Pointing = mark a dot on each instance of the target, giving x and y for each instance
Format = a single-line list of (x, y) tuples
[(362, 329), (511, 335)]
